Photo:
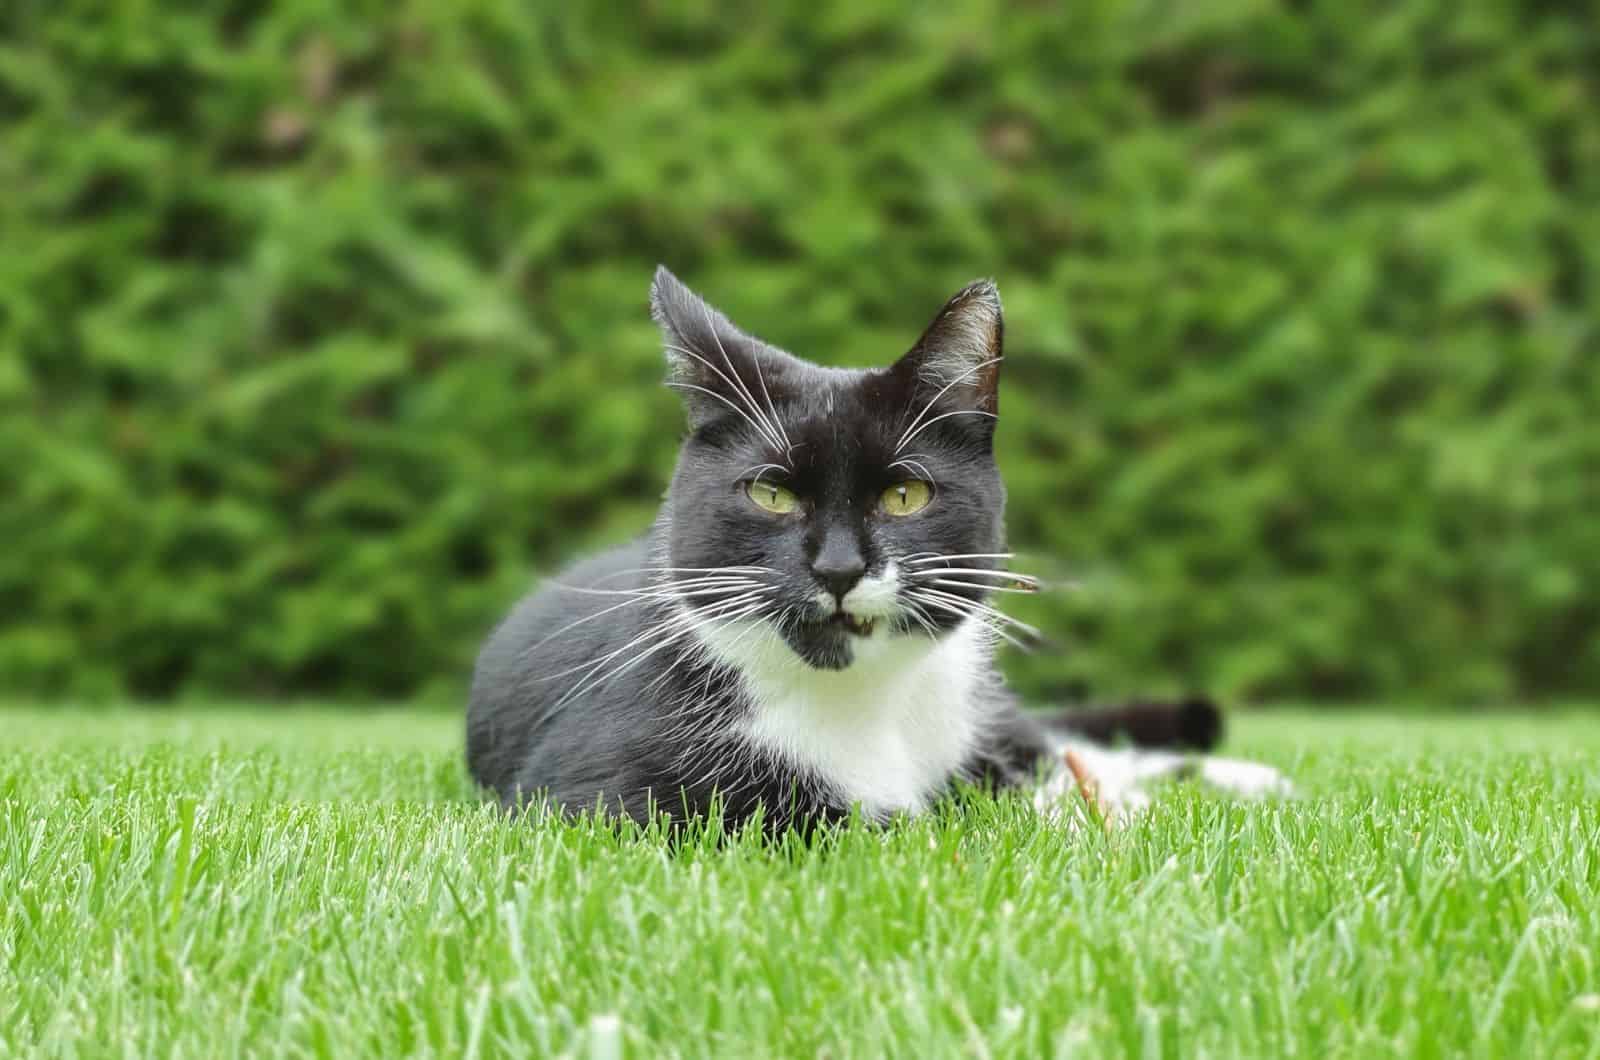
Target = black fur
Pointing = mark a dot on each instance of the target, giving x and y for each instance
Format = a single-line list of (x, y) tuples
[(593, 694), (1193, 725)]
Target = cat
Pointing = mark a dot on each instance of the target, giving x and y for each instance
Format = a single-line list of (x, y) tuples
[(806, 631)]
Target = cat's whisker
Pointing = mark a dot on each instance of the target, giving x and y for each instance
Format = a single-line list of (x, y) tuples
[(759, 468), (708, 571), (1024, 584), (666, 586), (914, 609), (772, 409), (981, 572), (1000, 632), (945, 416), (775, 620), (750, 399), (660, 592), (688, 709), (655, 629), (929, 557), (682, 658), (735, 384), (986, 621), (981, 607), (955, 584), (734, 569), (586, 618), (978, 607), (1003, 581), (738, 380), (995, 631), (908, 435), (915, 467), (770, 440), (685, 629), (597, 677)]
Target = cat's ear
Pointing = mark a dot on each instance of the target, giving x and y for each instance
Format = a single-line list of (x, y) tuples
[(715, 366), (956, 362)]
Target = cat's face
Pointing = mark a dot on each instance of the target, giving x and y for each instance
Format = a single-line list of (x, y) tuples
[(835, 504)]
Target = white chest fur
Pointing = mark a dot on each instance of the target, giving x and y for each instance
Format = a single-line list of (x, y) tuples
[(887, 732)]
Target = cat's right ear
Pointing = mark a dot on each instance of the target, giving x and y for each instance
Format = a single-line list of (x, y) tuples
[(956, 362), (711, 363)]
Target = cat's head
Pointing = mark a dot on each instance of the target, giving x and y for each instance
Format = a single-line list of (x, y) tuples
[(835, 504)]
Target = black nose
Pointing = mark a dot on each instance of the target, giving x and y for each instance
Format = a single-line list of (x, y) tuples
[(839, 574), (839, 563)]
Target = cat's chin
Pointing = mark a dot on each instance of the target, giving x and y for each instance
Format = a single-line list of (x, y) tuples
[(832, 645), (823, 645)]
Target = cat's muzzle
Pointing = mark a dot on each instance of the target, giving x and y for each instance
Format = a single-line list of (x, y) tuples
[(861, 627)]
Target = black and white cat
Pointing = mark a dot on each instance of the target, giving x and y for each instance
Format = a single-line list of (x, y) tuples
[(807, 627)]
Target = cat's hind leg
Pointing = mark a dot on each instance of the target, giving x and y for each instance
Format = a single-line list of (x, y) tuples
[(1159, 743), (1125, 778), (1193, 724)]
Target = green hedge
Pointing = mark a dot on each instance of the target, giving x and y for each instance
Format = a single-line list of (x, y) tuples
[(323, 328)]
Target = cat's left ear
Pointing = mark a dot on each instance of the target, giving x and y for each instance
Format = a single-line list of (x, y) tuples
[(956, 362)]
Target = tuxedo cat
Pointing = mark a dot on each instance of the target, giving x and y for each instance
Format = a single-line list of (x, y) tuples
[(807, 629)]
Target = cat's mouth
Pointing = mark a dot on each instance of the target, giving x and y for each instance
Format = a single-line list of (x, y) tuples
[(861, 627), (830, 642)]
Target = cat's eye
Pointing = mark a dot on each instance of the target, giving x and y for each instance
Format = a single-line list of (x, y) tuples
[(906, 498), (771, 497)]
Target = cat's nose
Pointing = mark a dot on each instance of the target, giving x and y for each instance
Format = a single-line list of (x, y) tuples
[(839, 579), (839, 565)]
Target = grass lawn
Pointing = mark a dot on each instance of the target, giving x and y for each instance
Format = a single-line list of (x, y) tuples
[(258, 881)]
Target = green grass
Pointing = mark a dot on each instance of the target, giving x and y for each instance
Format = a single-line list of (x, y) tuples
[(319, 883)]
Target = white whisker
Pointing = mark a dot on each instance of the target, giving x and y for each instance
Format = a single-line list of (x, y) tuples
[(914, 609), (988, 623), (626, 572), (770, 440), (759, 468), (685, 628), (750, 399), (685, 657), (908, 435), (915, 467), (945, 416), (586, 618), (737, 386), (978, 607), (655, 629), (658, 590), (772, 409), (983, 572), (953, 583)]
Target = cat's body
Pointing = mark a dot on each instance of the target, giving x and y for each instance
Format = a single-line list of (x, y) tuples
[(684, 722), (806, 628)]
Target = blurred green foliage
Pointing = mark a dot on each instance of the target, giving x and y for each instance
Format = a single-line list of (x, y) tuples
[(323, 327)]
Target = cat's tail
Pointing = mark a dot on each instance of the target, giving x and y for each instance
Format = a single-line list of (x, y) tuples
[(1193, 724)]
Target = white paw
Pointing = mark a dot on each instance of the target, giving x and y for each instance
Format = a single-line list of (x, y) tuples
[(1117, 784), (1250, 779)]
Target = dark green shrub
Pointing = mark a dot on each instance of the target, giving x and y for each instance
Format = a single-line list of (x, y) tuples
[(322, 330)]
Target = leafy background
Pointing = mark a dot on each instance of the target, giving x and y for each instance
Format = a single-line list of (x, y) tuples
[(323, 328)]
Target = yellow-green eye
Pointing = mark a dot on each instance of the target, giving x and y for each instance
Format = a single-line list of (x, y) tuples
[(771, 497), (907, 498)]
